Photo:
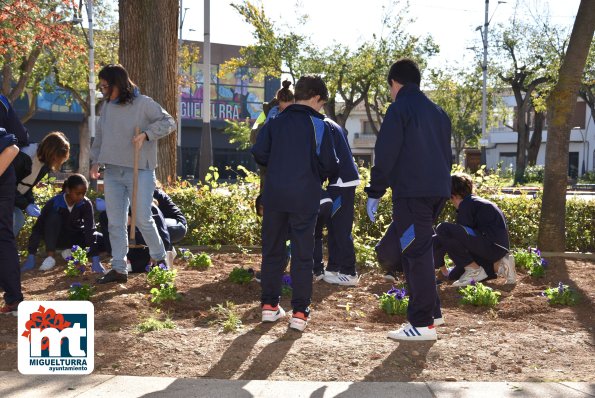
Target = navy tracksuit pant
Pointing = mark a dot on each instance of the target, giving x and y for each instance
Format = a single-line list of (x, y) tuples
[(413, 219), (324, 215), (388, 251), (341, 257), (275, 225), (10, 273), (465, 246)]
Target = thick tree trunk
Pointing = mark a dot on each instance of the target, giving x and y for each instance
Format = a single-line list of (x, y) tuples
[(148, 50), (535, 142), (561, 103)]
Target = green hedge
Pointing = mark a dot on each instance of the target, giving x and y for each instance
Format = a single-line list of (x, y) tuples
[(223, 214)]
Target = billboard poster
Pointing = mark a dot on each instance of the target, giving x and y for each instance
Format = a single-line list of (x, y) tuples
[(234, 96)]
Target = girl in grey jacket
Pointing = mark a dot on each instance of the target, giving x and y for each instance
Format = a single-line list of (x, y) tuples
[(123, 110)]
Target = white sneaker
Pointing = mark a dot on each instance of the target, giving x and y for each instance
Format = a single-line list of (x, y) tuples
[(470, 275), (390, 277), (298, 322), (341, 279), (66, 253), (412, 333), (438, 321), (272, 314), (507, 269), (48, 264)]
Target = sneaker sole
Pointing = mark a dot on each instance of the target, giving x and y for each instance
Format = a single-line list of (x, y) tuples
[(416, 338), (318, 278), (438, 321), (389, 278)]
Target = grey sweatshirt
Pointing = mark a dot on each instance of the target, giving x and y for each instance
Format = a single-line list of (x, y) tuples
[(115, 129)]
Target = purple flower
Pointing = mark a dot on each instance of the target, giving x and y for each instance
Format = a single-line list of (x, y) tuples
[(560, 287), (286, 280), (69, 258), (163, 266), (76, 262), (399, 294), (148, 268), (75, 285), (538, 252), (88, 249), (74, 248), (473, 282), (81, 268), (182, 250), (543, 262)]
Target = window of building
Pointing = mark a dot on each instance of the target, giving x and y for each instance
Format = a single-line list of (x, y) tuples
[(507, 160), (573, 164), (367, 128)]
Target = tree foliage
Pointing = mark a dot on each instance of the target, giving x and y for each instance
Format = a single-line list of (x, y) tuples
[(459, 93), (29, 31), (353, 75)]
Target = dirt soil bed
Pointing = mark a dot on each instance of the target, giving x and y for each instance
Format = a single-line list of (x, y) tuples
[(521, 339)]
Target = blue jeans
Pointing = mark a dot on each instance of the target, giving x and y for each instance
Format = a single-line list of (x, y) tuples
[(118, 193), (18, 221)]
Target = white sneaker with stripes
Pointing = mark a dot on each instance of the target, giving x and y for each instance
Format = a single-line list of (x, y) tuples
[(413, 333), (341, 279)]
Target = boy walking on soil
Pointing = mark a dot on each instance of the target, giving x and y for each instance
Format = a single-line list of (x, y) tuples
[(297, 149)]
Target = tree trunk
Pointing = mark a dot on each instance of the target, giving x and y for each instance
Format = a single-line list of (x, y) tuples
[(535, 142), (521, 155), (148, 50), (561, 103)]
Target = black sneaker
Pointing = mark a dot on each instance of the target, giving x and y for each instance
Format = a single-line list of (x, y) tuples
[(113, 276)]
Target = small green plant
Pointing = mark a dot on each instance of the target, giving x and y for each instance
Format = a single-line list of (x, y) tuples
[(80, 292), (153, 324), (286, 289), (395, 301), (562, 294), (530, 260), (198, 261), (240, 276), (160, 275), (165, 292), (227, 317), (479, 295), (77, 262)]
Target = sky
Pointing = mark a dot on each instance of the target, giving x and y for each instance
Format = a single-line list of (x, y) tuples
[(452, 23)]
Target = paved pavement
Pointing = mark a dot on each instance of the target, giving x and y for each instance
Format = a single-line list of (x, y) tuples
[(13, 385)]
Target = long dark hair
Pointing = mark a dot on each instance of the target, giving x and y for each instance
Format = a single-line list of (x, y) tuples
[(117, 76)]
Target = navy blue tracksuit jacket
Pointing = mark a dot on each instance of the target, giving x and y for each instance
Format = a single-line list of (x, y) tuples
[(296, 161)]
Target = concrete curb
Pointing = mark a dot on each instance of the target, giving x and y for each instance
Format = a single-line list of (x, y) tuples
[(15, 385)]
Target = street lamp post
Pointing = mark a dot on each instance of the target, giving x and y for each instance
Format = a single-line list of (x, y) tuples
[(180, 72), (484, 67), (206, 146)]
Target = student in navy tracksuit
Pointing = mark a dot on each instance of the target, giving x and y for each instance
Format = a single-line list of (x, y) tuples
[(413, 156), (478, 242), (340, 269), (66, 220), (10, 278), (297, 149)]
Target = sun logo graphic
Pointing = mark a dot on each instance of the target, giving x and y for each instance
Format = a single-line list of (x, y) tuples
[(56, 337)]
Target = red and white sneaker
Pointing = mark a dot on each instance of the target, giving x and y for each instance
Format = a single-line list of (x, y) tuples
[(272, 314), (298, 321)]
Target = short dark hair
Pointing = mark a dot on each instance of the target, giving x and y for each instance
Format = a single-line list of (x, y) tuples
[(404, 71), (53, 149), (461, 184), (116, 75), (310, 86), (285, 94), (75, 180)]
